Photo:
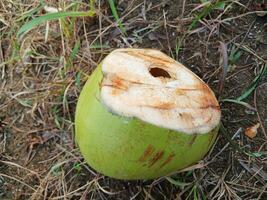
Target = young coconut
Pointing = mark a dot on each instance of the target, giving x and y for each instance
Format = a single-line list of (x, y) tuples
[(142, 115)]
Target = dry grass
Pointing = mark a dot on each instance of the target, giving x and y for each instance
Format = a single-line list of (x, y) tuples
[(42, 73)]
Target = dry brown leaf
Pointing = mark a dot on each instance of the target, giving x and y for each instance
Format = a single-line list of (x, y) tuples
[(251, 132)]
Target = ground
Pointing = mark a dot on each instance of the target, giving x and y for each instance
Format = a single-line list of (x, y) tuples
[(43, 69)]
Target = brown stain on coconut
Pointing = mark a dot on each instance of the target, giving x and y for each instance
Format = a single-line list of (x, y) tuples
[(157, 156), (192, 140), (116, 83), (150, 156), (147, 153), (150, 58), (168, 160), (180, 92), (208, 99), (119, 83), (162, 105), (205, 99)]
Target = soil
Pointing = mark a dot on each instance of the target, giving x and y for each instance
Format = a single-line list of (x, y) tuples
[(38, 155)]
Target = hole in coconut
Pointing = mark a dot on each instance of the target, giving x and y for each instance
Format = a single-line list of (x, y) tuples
[(158, 72)]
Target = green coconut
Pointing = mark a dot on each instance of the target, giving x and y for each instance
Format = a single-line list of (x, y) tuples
[(142, 115)]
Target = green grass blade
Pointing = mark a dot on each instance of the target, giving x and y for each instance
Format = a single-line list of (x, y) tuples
[(75, 50), (177, 182), (78, 79), (31, 12), (253, 85), (92, 4), (238, 102), (51, 16), (195, 193), (99, 46), (207, 10), (115, 14), (198, 17)]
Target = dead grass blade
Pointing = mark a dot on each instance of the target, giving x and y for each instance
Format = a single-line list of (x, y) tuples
[(224, 65), (19, 181), (19, 166), (255, 170)]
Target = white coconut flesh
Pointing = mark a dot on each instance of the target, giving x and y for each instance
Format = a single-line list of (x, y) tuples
[(149, 85)]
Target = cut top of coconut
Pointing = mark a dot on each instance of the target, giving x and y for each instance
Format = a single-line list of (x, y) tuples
[(149, 85)]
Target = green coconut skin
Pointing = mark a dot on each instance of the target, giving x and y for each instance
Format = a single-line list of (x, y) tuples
[(128, 148)]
